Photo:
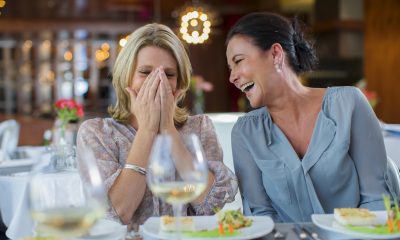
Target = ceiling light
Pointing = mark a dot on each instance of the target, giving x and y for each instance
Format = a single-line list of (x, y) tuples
[(196, 21)]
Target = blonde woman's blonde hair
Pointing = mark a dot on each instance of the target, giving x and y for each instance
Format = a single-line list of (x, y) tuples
[(149, 35)]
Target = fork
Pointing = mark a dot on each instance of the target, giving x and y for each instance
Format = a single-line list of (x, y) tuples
[(311, 233), (278, 235), (304, 232), (300, 232)]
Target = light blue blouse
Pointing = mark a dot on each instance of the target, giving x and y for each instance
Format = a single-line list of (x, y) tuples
[(344, 165)]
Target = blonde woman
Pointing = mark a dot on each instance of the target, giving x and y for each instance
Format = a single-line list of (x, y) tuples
[(150, 76)]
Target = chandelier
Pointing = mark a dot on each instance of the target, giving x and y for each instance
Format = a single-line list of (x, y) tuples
[(2, 4), (195, 23)]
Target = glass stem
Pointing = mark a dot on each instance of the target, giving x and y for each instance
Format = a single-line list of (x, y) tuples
[(178, 224)]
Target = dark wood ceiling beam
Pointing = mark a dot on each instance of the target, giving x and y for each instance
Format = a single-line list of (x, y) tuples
[(33, 25)]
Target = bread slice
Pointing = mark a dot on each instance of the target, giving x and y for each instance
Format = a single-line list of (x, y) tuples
[(355, 216), (167, 224)]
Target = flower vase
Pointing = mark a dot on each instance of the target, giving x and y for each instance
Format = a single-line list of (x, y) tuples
[(63, 158), (65, 133), (198, 105), (63, 146)]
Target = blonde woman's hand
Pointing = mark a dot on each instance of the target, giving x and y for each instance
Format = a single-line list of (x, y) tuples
[(167, 100), (145, 105)]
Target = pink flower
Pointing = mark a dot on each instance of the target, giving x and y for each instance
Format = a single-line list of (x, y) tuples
[(68, 110), (371, 96), (201, 84), (79, 111)]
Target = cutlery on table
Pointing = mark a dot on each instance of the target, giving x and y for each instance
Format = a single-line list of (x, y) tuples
[(311, 233), (304, 232), (299, 232), (278, 235)]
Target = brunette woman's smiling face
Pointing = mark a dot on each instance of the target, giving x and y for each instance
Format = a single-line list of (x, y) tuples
[(251, 69)]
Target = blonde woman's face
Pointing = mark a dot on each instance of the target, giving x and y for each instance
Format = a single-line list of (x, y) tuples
[(149, 59)]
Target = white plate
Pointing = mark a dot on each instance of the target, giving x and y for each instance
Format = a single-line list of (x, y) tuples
[(261, 226), (106, 229), (327, 222)]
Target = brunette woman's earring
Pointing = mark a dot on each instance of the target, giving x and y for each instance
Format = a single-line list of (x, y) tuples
[(277, 68)]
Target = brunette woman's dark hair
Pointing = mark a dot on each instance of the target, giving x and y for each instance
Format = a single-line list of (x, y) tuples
[(265, 29)]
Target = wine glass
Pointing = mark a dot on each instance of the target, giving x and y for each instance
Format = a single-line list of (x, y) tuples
[(66, 203), (177, 172)]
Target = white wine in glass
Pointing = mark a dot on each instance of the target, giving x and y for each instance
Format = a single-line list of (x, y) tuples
[(178, 192), (177, 171), (66, 203)]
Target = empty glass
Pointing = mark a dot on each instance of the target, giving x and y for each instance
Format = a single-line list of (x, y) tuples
[(66, 203)]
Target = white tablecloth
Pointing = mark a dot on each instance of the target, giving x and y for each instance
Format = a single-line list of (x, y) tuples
[(14, 206)]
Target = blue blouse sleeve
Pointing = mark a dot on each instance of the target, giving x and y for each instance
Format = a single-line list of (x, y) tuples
[(367, 150), (254, 197)]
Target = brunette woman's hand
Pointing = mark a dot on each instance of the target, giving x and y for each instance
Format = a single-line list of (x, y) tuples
[(146, 104), (167, 100)]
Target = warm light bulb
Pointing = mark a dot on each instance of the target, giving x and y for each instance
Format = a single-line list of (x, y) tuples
[(194, 22), (183, 30), (46, 44), (2, 3), (185, 24), (105, 46), (185, 18), (195, 34), (68, 56), (203, 17), (122, 42), (27, 44)]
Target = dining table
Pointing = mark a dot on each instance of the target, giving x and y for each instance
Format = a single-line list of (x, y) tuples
[(14, 207), (281, 231)]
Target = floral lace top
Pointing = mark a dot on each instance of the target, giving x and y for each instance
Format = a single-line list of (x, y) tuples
[(111, 142)]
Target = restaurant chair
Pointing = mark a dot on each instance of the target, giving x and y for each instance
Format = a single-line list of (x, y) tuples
[(9, 136), (393, 178), (223, 123)]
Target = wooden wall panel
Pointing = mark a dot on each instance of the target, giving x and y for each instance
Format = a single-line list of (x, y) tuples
[(209, 61), (32, 128), (382, 56)]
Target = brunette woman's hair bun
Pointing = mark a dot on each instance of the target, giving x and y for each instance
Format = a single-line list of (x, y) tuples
[(305, 53)]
